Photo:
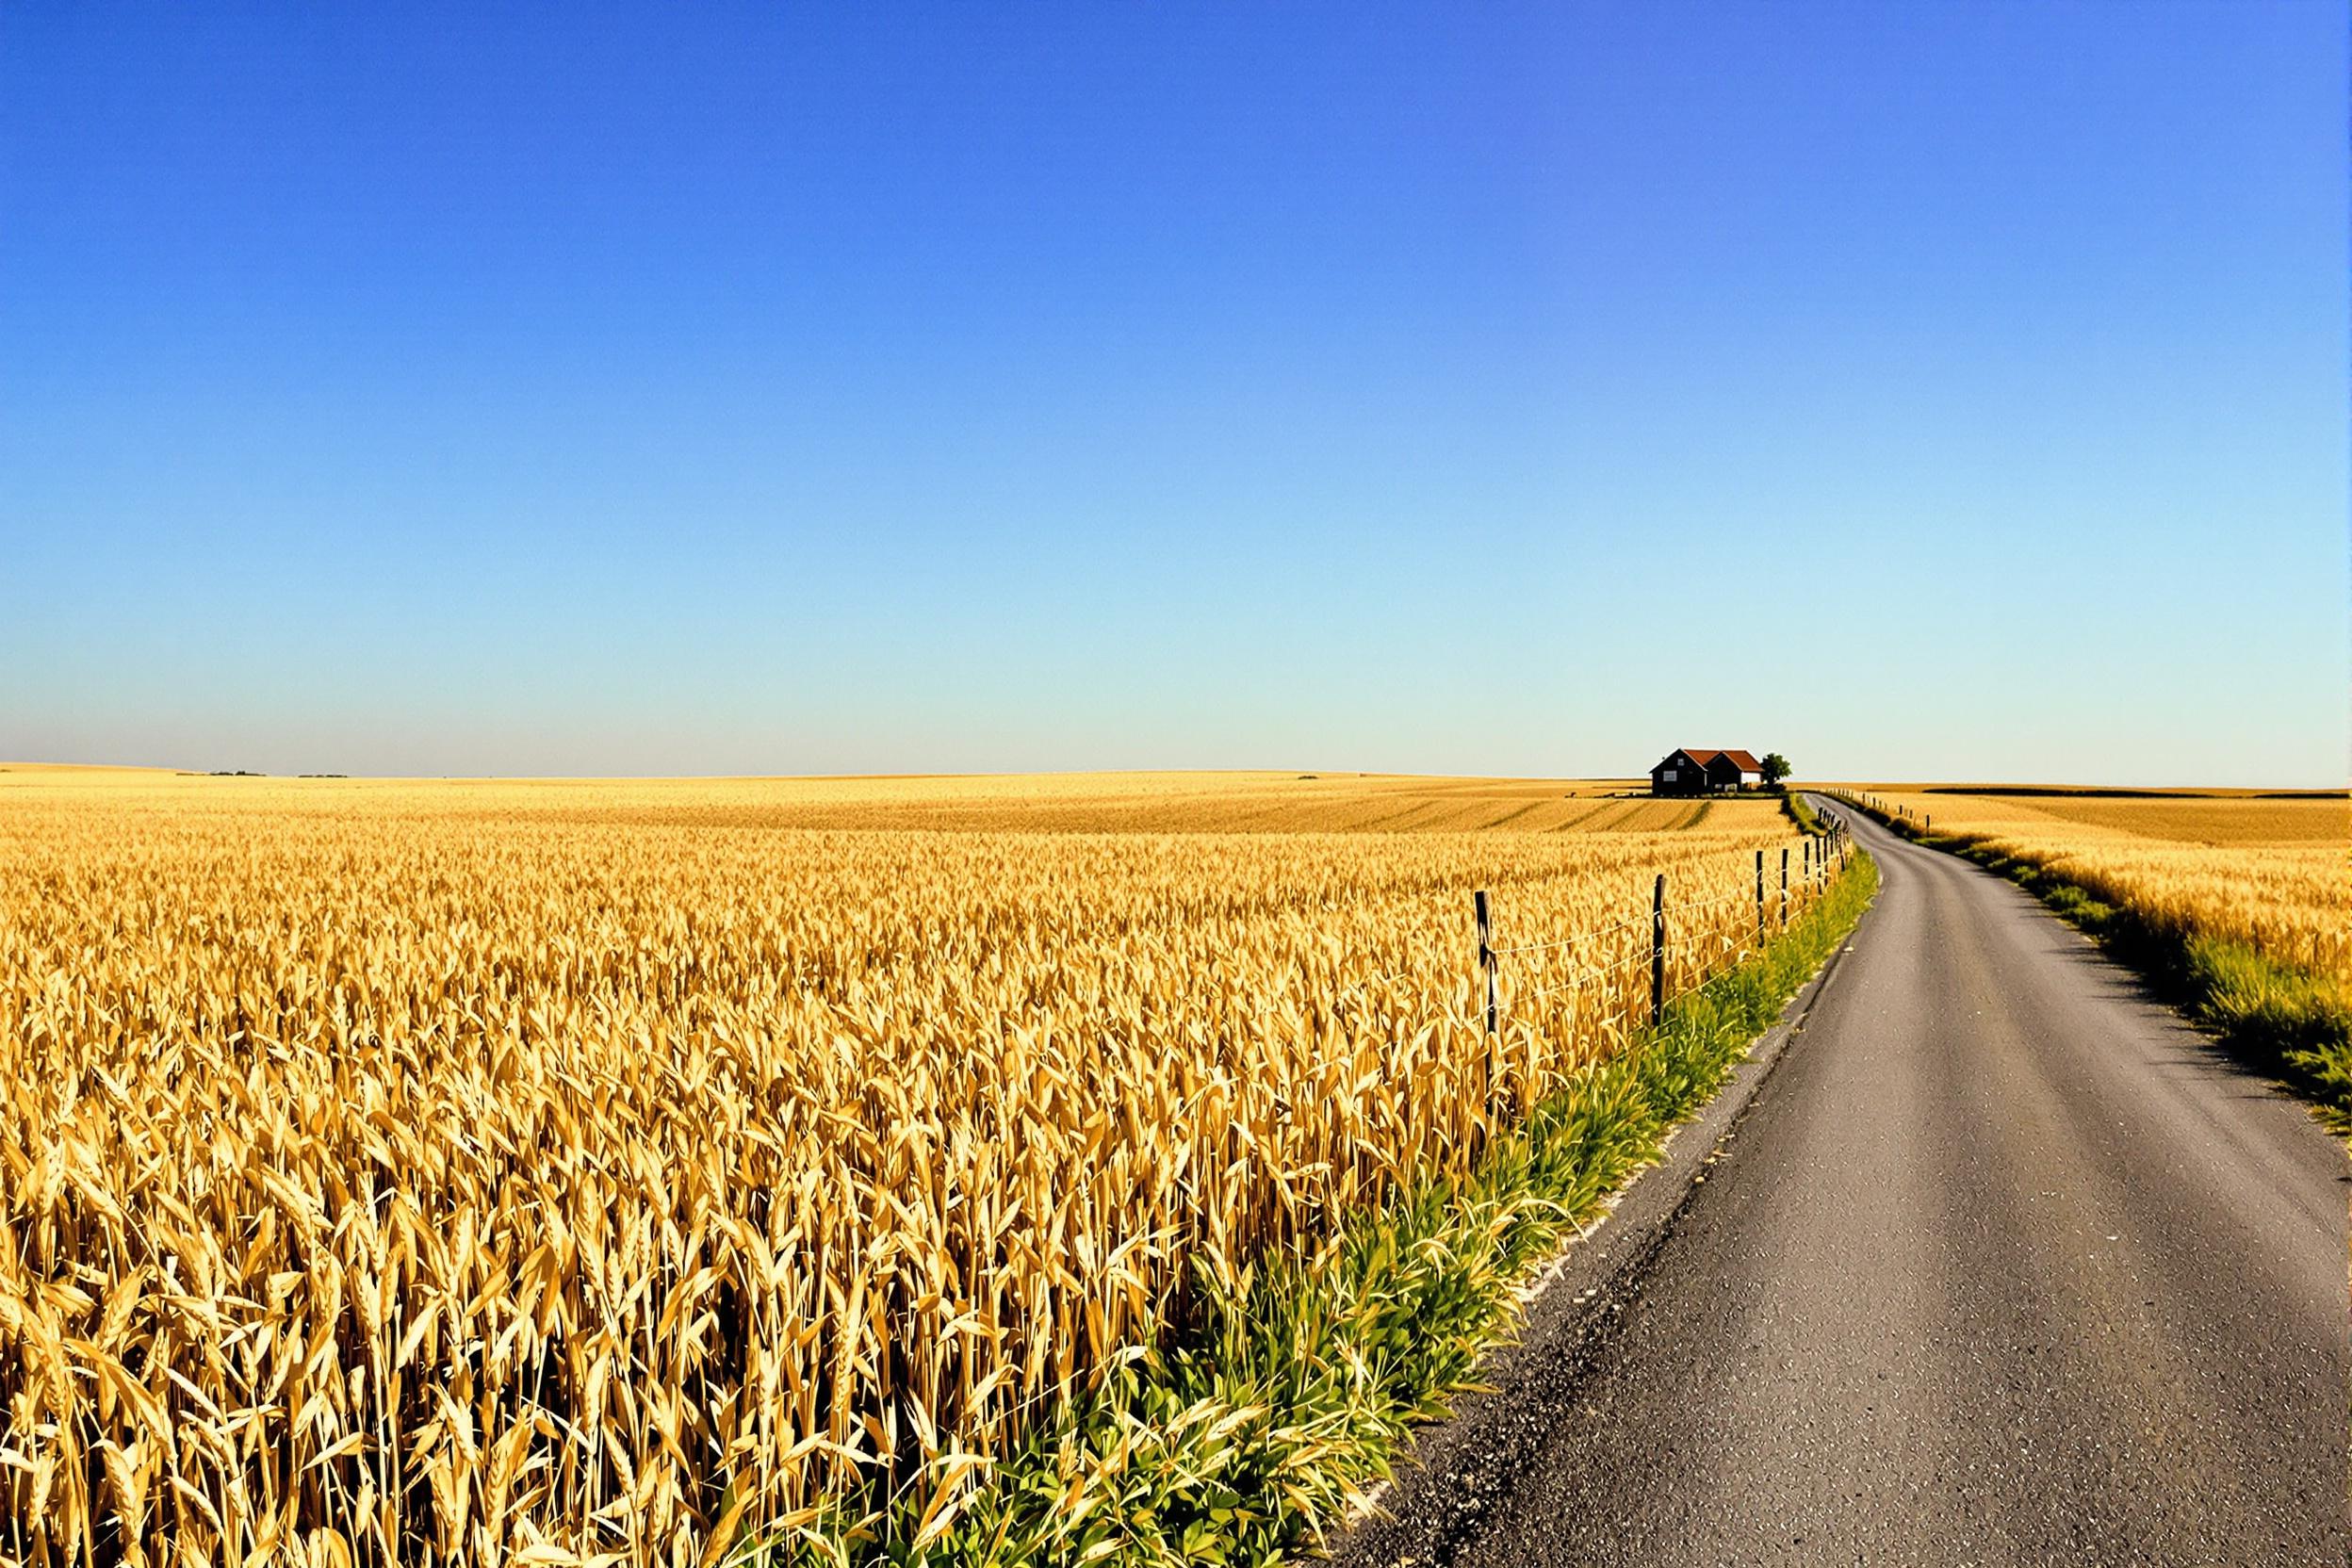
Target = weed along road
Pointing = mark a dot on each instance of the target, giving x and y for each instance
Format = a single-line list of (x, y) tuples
[(2001, 1264)]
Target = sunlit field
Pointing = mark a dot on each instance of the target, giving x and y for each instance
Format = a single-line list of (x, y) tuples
[(2272, 870), (472, 1172)]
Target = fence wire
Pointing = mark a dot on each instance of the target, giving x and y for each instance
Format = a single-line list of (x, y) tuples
[(1799, 885), (1704, 951)]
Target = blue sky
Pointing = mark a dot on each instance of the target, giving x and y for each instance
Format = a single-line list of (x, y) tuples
[(1924, 392)]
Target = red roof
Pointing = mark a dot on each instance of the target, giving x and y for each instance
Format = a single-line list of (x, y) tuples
[(1746, 763)]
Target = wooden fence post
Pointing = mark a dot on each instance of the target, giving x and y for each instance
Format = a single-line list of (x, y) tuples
[(1759, 898), (1487, 965), (1657, 953), (1784, 887)]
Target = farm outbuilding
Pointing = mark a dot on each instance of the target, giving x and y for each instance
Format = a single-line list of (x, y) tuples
[(1697, 773)]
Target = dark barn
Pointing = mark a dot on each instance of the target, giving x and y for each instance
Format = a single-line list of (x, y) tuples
[(1700, 773)]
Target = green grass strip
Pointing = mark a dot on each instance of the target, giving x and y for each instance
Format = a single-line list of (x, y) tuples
[(1299, 1382), (2279, 1018), (1801, 812)]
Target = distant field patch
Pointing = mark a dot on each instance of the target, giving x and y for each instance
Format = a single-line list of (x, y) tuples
[(2274, 873)]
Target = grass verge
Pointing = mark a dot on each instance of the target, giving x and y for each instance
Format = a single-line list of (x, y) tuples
[(1806, 819), (2279, 1018), (1298, 1382)]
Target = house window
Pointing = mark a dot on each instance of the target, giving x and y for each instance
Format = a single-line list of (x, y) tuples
[(1669, 775)]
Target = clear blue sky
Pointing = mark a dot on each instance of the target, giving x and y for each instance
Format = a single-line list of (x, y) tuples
[(1926, 392)]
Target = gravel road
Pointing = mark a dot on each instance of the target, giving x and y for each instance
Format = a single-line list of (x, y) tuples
[(1996, 1262)]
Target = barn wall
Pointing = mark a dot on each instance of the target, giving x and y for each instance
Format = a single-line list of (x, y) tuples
[(1694, 781)]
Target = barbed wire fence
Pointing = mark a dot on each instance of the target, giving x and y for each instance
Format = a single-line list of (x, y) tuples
[(1684, 951)]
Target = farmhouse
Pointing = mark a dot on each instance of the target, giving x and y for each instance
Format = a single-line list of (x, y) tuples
[(1698, 773)]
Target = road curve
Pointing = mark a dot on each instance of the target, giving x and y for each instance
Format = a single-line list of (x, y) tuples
[(2002, 1263)]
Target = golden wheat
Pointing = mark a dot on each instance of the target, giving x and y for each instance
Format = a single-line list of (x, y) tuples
[(475, 1172)]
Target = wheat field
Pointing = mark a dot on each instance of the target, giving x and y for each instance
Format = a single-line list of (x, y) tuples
[(482, 1172), (2272, 871)]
